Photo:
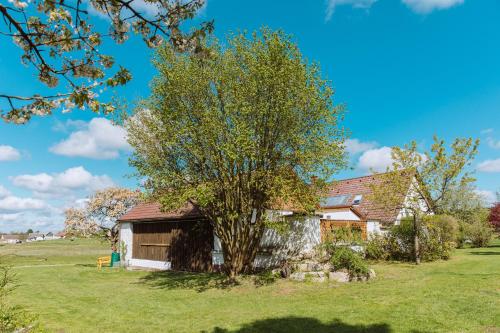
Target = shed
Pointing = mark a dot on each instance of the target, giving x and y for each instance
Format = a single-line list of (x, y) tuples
[(179, 240)]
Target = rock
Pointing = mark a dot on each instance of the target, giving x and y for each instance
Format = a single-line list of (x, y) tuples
[(372, 274), (327, 267), (317, 276), (313, 266), (308, 254), (338, 276), (302, 267), (298, 276)]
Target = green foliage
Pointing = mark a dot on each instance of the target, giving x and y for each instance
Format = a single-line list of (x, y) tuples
[(13, 318), (437, 174), (376, 248), (438, 237), (342, 236), (345, 258), (266, 277), (239, 130), (442, 235), (477, 229)]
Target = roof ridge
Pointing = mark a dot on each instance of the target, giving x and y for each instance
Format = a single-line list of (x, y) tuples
[(353, 178)]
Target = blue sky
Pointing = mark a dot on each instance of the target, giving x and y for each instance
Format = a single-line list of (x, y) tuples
[(405, 70)]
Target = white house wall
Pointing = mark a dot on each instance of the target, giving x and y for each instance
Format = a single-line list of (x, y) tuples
[(304, 234), (346, 215), (126, 237), (373, 228), (412, 194)]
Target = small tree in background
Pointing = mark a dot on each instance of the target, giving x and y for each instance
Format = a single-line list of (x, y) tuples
[(78, 224), (239, 132), (13, 318), (100, 214), (494, 216), (418, 184)]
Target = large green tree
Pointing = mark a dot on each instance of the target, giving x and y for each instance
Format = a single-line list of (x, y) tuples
[(422, 183), (239, 131)]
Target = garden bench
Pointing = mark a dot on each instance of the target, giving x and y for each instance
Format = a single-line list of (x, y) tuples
[(103, 261)]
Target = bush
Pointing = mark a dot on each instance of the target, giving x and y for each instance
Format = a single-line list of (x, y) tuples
[(494, 216), (378, 248), (477, 229), (438, 236), (479, 233), (13, 318), (345, 258)]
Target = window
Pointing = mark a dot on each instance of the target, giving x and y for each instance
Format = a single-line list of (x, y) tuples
[(357, 199), (338, 200)]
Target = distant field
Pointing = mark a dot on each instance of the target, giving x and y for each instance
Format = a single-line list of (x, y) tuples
[(60, 283)]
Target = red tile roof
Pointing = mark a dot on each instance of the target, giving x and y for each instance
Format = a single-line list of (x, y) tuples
[(362, 186), (152, 212)]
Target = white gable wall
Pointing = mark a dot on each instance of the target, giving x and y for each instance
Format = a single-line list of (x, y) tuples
[(412, 198), (344, 215)]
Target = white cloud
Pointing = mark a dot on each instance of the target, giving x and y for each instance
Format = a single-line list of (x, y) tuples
[(332, 4), (4, 192), (489, 197), (489, 166), (9, 153), (12, 203), (40, 182), (355, 146), (495, 144), (99, 140), (59, 126), (487, 131), (376, 159), (60, 184), (427, 6), (9, 217)]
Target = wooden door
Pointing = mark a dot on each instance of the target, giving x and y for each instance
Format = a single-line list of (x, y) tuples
[(186, 244)]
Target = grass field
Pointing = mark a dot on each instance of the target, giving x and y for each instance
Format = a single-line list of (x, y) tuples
[(59, 282)]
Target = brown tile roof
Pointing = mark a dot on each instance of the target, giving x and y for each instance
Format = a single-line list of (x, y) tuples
[(362, 186), (152, 212)]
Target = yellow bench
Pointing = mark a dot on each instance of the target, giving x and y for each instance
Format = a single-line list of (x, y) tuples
[(103, 261)]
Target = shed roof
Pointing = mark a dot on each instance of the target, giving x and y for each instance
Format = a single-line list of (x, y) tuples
[(151, 211)]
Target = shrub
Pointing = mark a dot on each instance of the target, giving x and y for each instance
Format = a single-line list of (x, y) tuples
[(444, 227), (401, 240), (339, 236), (13, 318), (479, 233), (376, 248), (477, 229), (438, 236), (494, 216), (345, 258)]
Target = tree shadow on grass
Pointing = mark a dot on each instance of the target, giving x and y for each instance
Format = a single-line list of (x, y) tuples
[(87, 265), (187, 280), (485, 253), (304, 324)]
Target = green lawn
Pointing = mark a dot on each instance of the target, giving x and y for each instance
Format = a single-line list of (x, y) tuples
[(460, 295)]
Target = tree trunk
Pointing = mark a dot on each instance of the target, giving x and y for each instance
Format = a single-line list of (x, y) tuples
[(416, 241), (240, 248)]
